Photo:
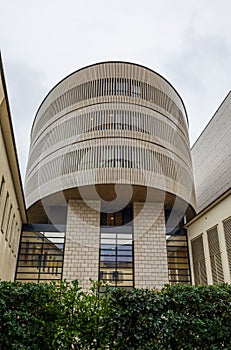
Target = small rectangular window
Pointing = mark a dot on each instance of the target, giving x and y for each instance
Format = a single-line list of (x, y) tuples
[(4, 214), (215, 256), (8, 223), (2, 185), (199, 267), (227, 231), (11, 230)]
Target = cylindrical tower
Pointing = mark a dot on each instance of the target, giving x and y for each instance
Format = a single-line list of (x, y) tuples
[(110, 143)]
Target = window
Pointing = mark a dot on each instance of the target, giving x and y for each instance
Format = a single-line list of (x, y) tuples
[(135, 89), (121, 87), (119, 218), (215, 256), (1, 189), (40, 255), (8, 223), (200, 275), (177, 248), (227, 231), (4, 214), (116, 249), (11, 230)]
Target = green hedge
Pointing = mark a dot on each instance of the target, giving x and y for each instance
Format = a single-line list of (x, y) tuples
[(45, 316)]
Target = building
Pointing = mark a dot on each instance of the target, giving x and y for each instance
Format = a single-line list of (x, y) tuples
[(209, 232), (12, 206), (110, 176), (109, 186)]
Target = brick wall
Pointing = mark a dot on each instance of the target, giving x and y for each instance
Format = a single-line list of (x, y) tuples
[(81, 260), (81, 257), (150, 253)]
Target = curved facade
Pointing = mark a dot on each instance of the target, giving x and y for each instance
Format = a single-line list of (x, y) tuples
[(109, 137), (108, 122)]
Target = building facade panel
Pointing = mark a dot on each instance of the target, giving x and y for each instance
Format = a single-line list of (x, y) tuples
[(150, 250), (212, 217), (81, 259), (10, 218), (227, 231), (211, 155), (12, 209)]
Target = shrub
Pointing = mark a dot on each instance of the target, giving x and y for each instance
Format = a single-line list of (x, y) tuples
[(49, 316)]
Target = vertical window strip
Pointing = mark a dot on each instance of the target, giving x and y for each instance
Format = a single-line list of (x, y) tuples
[(215, 256), (95, 165), (227, 232), (116, 253), (125, 156), (16, 240), (105, 87), (111, 86), (135, 157), (8, 222), (103, 155), (199, 267), (94, 88), (131, 157), (2, 189), (83, 91), (11, 230), (146, 160), (4, 214), (15, 232)]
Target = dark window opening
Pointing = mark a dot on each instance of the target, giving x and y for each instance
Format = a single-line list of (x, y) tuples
[(119, 218)]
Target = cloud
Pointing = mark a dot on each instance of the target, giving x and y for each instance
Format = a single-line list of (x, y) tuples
[(25, 91), (200, 69), (187, 42)]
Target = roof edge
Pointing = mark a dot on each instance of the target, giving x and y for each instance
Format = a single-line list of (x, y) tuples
[(211, 119), (210, 206), (17, 177)]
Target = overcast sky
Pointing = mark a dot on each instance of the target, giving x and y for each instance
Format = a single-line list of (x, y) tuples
[(186, 41)]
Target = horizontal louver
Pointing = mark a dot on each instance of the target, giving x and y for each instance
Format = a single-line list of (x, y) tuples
[(215, 256), (200, 276)]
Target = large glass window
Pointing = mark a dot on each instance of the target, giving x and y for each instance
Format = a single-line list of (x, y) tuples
[(177, 248), (116, 248), (41, 254)]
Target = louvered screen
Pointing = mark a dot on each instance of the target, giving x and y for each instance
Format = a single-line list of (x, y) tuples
[(200, 276), (227, 230), (215, 256)]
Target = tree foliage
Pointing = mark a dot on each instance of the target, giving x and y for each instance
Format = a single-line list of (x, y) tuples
[(49, 316)]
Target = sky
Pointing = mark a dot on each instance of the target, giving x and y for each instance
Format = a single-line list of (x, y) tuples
[(187, 42)]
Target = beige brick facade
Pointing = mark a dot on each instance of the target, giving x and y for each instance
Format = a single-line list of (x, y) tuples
[(81, 259), (12, 209), (150, 253)]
